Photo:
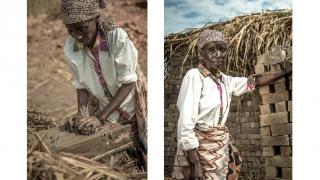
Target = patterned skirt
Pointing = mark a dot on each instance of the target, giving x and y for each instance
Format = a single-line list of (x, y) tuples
[(219, 158)]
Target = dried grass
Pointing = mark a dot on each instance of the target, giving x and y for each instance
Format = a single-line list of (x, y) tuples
[(65, 166), (248, 35), (37, 121)]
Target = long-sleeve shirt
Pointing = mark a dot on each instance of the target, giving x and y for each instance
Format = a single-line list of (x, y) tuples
[(199, 103), (117, 63)]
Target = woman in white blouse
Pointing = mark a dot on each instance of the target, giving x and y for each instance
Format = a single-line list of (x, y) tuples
[(204, 144), (104, 63)]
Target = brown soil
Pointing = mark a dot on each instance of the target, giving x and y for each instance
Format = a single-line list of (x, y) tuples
[(49, 81)]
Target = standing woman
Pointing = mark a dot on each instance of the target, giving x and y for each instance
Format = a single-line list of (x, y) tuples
[(110, 85), (205, 148)]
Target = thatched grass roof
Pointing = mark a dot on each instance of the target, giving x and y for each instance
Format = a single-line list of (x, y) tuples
[(249, 35)]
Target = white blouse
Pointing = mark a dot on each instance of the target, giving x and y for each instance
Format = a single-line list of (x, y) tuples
[(118, 65), (199, 103)]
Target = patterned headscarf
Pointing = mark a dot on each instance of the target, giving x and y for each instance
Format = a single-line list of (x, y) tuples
[(208, 36), (74, 11)]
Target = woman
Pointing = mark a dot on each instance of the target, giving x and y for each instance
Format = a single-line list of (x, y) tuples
[(110, 85), (205, 149)]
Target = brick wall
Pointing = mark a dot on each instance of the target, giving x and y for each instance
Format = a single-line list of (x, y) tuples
[(171, 115), (244, 125)]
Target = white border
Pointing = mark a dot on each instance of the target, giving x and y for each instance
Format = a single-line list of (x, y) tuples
[(155, 90), (13, 74), (306, 97)]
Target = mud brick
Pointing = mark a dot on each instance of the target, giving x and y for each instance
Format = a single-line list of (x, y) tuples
[(287, 173), (244, 169), (278, 161), (242, 153), (267, 108), (273, 98), (281, 106), (244, 119), (242, 136), (264, 89), (267, 151), (254, 124), (252, 142), (271, 171), (275, 140), (277, 67), (252, 159), (255, 114), (254, 136), (260, 69), (252, 148), (265, 131), (281, 129), (255, 119), (245, 125), (274, 118), (258, 153), (279, 86), (246, 141), (249, 130), (290, 106), (285, 150)]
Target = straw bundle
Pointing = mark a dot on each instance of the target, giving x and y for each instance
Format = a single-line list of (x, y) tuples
[(248, 36)]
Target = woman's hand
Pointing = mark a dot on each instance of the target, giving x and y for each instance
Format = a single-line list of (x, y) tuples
[(264, 80), (196, 172), (83, 125), (89, 125)]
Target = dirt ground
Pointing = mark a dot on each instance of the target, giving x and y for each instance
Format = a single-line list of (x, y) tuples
[(48, 79)]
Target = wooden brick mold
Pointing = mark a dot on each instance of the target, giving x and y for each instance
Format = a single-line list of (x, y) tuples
[(276, 116)]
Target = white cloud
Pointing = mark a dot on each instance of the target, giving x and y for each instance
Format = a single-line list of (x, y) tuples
[(180, 15)]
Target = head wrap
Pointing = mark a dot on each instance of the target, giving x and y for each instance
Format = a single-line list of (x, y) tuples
[(208, 36), (74, 11)]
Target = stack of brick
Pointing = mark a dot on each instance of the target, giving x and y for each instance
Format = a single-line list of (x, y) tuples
[(244, 125), (275, 118)]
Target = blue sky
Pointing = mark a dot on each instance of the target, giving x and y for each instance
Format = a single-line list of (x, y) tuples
[(182, 14)]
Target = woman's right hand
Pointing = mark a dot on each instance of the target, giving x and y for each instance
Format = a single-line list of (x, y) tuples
[(87, 125), (196, 172)]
